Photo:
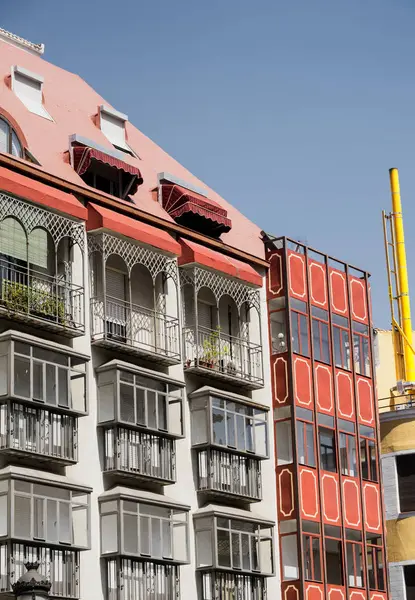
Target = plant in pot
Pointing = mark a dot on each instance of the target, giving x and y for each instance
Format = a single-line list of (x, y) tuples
[(210, 350)]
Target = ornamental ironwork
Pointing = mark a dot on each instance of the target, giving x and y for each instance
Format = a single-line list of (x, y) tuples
[(133, 254), (31, 217), (220, 285)]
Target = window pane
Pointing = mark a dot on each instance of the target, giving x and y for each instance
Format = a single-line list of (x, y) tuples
[(218, 422), (22, 376), (348, 454), (311, 458), (156, 550), (301, 456), (236, 553), (64, 523), (130, 534), (405, 465), (141, 406), (63, 387), (144, 535), (224, 554), (325, 343), (52, 521), (316, 339), (246, 552), (316, 559), (167, 546), (327, 449), (151, 409), (162, 412), (254, 554), (4, 136), (380, 576), (364, 465), (373, 462), (304, 335), (230, 429), (16, 146), (249, 435), (240, 432), (37, 381), (51, 384), (39, 525), (127, 403), (334, 571), (22, 517), (295, 332)]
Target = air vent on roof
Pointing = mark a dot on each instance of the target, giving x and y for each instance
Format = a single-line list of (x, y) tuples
[(20, 42)]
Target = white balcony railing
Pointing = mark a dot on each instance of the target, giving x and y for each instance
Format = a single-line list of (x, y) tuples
[(141, 580), (38, 431), (223, 354), (139, 454), (60, 567), (143, 330), (230, 474), (220, 586), (29, 294)]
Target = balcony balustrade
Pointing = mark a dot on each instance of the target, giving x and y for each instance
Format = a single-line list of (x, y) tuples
[(233, 585), (38, 433), (141, 331), (227, 474), (40, 299), (139, 455), (223, 356), (60, 567), (140, 580)]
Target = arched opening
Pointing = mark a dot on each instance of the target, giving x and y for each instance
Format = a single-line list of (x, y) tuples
[(114, 290), (144, 324), (9, 140), (13, 265)]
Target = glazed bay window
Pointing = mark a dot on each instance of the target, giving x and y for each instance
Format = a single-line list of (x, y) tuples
[(300, 337), (231, 438), (42, 394), (361, 349), (141, 415), (368, 458), (375, 562), (341, 341), (234, 541), (320, 327), (43, 521), (306, 454)]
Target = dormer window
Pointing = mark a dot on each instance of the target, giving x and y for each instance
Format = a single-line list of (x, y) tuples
[(112, 125), (28, 88), (9, 142)]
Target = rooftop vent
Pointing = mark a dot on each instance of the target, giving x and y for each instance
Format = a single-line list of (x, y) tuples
[(15, 40)]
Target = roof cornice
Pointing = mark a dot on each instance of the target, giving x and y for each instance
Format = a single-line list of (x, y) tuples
[(32, 170)]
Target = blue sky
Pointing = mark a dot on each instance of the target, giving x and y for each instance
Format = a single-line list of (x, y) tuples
[(294, 111)]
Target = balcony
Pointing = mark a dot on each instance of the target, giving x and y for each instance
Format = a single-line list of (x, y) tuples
[(42, 300), (214, 354), (135, 329), (135, 580), (35, 434), (139, 455), (60, 567), (232, 585), (226, 474)]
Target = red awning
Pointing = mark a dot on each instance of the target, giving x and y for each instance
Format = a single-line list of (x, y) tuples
[(179, 201), (105, 218), (196, 253), (83, 157), (27, 188)]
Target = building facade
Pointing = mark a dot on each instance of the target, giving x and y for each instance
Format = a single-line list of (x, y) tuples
[(397, 435), (330, 514), (136, 439)]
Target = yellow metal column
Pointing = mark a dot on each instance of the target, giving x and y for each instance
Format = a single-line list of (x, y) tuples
[(403, 295)]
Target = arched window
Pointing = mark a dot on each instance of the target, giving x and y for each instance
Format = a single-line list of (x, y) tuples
[(9, 141)]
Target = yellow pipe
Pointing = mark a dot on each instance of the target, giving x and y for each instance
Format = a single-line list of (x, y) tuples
[(403, 296)]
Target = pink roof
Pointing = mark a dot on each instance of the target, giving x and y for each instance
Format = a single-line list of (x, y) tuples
[(72, 104)]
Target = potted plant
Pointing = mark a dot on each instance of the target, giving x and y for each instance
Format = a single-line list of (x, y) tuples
[(210, 350)]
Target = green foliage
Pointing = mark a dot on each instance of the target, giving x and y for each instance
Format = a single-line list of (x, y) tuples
[(20, 298)]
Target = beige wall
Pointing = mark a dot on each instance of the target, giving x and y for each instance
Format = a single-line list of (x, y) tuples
[(385, 372)]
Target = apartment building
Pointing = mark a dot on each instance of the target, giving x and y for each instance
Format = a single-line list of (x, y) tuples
[(330, 513), (397, 437), (136, 438)]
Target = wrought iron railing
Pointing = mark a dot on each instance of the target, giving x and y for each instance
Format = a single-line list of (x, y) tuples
[(396, 403), (60, 567), (222, 353), (221, 471), (135, 580), (33, 294), (140, 328), (224, 586), (38, 431), (138, 453)]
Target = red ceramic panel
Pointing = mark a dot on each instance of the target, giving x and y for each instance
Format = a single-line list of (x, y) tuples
[(285, 492), (313, 591), (352, 513), (297, 278), (358, 299), (345, 400), (335, 592), (372, 511), (324, 389), (365, 401), (302, 382), (275, 275), (280, 380), (318, 284), (308, 494), (378, 596), (338, 292), (290, 591), (357, 594), (330, 497)]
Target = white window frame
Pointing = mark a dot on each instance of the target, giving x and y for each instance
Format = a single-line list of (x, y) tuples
[(18, 77), (109, 118)]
